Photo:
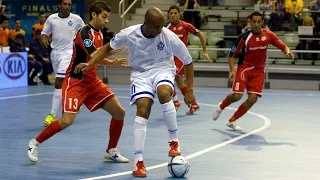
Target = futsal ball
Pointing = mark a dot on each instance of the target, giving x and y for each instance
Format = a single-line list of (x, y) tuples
[(178, 166)]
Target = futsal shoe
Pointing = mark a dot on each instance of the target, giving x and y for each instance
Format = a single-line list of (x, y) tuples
[(216, 112), (113, 154), (194, 107), (174, 149), (33, 151), (176, 104), (139, 170), (49, 119), (234, 126)]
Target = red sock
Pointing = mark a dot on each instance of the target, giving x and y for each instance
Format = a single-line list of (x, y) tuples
[(114, 132), (184, 90), (225, 103), (240, 112), (49, 131)]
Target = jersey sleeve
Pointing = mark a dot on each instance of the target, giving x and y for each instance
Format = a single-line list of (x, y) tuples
[(83, 39), (190, 28), (80, 23), (274, 40), (236, 48), (179, 49), (47, 29), (119, 40)]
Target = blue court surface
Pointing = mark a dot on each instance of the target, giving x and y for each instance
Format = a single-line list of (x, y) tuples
[(279, 140)]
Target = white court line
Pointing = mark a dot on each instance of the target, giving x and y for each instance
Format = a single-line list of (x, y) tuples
[(226, 92), (267, 123), (25, 95)]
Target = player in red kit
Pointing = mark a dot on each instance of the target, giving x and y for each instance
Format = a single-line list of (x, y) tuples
[(182, 29), (87, 88), (251, 49)]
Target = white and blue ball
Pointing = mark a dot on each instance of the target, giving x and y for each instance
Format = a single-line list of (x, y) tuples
[(178, 166)]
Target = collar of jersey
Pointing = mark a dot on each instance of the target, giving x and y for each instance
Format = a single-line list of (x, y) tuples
[(145, 35), (95, 29), (63, 17)]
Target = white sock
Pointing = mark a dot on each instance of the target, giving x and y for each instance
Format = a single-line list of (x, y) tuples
[(170, 119), (56, 100), (139, 134)]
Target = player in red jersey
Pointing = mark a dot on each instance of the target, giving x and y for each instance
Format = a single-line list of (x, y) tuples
[(182, 29), (87, 88), (251, 49)]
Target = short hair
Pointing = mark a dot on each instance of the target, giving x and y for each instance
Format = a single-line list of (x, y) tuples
[(98, 7), (3, 19), (256, 14), (174, 7), (60, 1), (17, 19)]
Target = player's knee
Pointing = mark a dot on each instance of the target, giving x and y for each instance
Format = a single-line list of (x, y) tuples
[(66, 121), (164, 93), (58, 83), (120, 113), (252, 99), (237, 96), (143, 112)]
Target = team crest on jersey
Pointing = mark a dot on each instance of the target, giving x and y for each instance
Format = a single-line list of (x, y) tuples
[(70, 23), (263, 38), (179, 28), (160, 46), (174, 28), (233, 48), (257, 39), (87, 42)]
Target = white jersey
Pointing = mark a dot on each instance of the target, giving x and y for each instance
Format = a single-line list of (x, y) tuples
[(145, 53), (62, 30)]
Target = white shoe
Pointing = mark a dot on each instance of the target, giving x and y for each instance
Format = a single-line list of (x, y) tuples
[(216, 112), (33, 151), (234, 126), (114, 155)]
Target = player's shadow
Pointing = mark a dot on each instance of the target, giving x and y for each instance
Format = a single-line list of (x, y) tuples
[(253, 142)]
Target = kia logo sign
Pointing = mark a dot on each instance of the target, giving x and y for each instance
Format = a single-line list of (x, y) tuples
[(14, 66)]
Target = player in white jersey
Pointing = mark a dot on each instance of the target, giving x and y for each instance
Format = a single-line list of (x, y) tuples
[(151, 49), (62, 26)]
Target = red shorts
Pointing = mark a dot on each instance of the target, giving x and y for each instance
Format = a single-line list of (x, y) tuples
[(93, 93), (179, 66), (250, 78)]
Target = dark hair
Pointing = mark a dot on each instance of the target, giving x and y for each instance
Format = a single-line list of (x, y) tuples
[(60, 1), (174, 7), (4, 18), (256, 14), (41, 13), (98, 7), (17, 19)]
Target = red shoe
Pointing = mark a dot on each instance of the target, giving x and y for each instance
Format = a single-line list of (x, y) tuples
[(194, 107), (176, 104), (174, 149), (139, 170)]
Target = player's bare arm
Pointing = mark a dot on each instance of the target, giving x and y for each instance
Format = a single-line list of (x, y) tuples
[(122, 62), (44, 40), (232, 72), (204, 46), (288, 52), (99, 55)]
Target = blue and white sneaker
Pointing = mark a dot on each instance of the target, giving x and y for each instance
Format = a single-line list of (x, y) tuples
[(114, 155), (33, 151)]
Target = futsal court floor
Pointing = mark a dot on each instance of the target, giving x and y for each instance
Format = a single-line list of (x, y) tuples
[(279, 141)]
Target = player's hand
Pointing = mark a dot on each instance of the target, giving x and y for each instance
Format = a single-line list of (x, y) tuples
[(189, 98), (231, 75), (45, 42), (288, 53), (206, 56), (81, 68), (122, 62)]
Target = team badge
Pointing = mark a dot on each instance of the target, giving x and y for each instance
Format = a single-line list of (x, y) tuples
[(70, 23), (87, 42), (160, 46)]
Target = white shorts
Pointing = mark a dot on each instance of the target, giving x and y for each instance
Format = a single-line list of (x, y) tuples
[(144, 84), (60, 61)]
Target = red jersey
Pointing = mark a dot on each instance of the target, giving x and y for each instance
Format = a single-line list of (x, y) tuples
[(252, 49), (182, 29), (86, 41)]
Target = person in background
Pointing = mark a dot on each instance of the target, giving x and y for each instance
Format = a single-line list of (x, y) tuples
[(17, 29), (277, 15), (34, 67)]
